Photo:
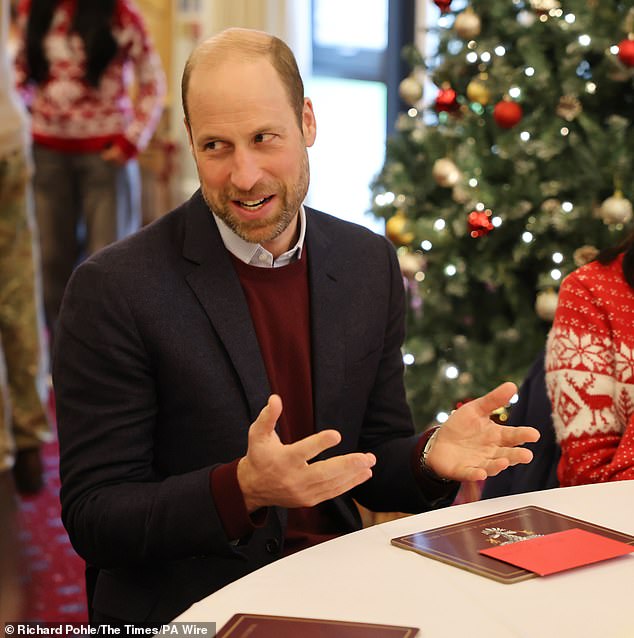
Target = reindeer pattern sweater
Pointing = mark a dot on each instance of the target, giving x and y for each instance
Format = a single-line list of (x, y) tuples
[(590, 375), (71, 116)]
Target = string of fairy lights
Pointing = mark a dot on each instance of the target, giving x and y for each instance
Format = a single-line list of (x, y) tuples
[(482, 95)]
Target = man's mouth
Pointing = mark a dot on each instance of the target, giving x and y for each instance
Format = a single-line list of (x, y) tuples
[(253, 204)]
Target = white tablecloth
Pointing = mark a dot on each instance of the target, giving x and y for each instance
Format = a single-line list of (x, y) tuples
[(362, 577)]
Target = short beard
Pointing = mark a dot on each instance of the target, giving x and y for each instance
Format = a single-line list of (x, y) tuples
[(260, 231)]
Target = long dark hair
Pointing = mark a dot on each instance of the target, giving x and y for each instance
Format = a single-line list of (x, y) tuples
[(92, 22), (608, 255)]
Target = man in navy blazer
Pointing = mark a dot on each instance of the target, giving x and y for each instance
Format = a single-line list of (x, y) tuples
[(230, 378)]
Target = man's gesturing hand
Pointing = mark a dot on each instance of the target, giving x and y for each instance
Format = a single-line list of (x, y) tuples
[(272, 473), (470, 447)]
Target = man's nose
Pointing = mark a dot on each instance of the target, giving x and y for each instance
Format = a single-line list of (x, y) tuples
[(245, 172)]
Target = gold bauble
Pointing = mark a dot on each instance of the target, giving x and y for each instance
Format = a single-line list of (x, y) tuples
[(410, 90), (396, 229), (477, 91), (467, 24)]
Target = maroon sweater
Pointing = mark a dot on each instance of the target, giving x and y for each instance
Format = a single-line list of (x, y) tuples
[(279, 303)]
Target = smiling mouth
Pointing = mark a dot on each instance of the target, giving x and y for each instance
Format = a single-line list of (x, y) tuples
[(253, 204)]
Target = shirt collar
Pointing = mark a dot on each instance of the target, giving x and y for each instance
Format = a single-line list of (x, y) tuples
[(256, 254)]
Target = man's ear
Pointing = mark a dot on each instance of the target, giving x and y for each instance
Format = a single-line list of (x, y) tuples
[(188, 128), (309, 124)]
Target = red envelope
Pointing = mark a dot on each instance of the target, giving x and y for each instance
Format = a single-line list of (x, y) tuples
[(556, 552)]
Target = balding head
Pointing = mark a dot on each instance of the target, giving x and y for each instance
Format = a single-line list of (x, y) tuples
[(247, 45)]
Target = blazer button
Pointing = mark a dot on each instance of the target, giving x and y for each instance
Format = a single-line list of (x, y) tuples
[(272, 546)]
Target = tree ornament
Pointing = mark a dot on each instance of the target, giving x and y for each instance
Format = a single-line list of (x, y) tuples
[(479, 223), (445, 172), (526, 18), (446, 100), (410, 90), (396, 229), (616, 209), (410, 262), (507, 113), (626, 51), (443, 5), (477, 90), (546, 304), (584, 255), (467, 24), (544, 6), (569, 108)]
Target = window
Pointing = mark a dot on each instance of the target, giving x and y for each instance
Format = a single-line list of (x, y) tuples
[(357, 66)]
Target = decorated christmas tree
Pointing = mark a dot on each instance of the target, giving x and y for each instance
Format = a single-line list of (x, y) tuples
[(513, 173)]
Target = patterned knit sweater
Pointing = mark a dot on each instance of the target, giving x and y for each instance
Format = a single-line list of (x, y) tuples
[(70, 115), (590, 375)]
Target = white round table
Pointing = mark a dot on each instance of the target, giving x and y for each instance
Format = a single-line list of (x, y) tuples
[(362, 577)]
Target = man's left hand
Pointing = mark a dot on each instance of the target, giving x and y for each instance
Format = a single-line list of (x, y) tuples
[(470, 446)]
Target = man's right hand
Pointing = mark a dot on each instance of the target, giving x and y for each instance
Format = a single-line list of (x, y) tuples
[(272, 473)]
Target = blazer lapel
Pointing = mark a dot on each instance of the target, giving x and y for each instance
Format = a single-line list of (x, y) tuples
[(217, 287), (327, 325)]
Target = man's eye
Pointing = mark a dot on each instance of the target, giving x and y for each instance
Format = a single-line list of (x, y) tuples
[(214, 145), (263, 137)]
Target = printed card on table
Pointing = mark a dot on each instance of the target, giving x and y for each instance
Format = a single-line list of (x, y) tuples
[(460, 544)]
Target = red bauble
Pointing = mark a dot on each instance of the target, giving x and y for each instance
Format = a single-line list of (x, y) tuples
[(480, 223), (507, 114), (626, 52), (443, 5), (446, 100)]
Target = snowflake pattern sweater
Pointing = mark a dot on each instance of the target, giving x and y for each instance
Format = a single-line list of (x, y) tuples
[(70, 115), (590, 375)]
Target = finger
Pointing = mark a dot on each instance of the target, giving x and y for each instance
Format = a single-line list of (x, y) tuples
[(335, 476), (519, 455), (309, 447), (337, 466), (495, 399), (471, 474), (518, 435), (270, 413)]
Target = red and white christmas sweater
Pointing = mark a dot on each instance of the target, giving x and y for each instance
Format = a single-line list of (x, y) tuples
[(590, 375), (67, 114)]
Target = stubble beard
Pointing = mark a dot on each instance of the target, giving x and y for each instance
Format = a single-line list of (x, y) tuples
[(257, 231)]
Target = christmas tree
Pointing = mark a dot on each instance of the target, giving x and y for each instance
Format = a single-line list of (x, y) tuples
[(513, 174)]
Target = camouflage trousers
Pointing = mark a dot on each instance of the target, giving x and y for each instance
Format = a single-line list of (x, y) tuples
[(23, 361)]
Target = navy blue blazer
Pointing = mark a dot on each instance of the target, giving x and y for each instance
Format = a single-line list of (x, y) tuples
[(158, 375)]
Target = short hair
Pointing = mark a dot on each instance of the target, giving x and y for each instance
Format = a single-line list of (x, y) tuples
[(249, 44)]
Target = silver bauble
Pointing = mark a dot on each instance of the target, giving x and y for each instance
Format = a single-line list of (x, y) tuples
[(616, 209), (546, 304)]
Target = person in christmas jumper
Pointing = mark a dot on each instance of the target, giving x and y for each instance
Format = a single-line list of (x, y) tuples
[(229, 378), (24, 425), (590, 369), (74, 68)]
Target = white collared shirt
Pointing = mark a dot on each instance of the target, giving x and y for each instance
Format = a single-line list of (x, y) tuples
[(256, 254)]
